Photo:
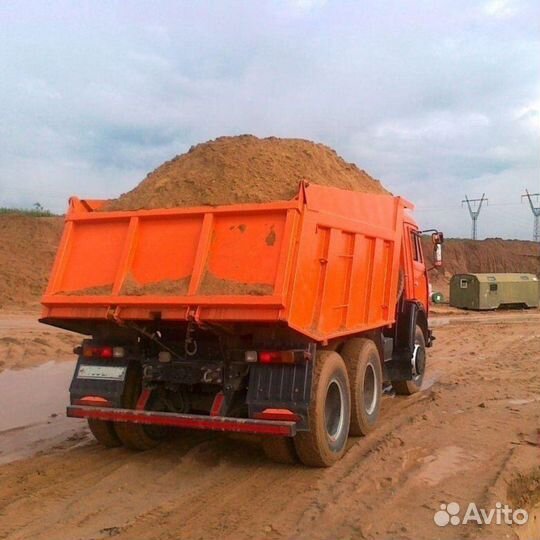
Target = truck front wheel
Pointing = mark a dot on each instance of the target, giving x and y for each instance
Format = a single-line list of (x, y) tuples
[(407, 388), (365, 375), (329, 413)]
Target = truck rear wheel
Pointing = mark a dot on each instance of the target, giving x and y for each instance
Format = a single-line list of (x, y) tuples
[(365, 376), (407, 388), (329, 413), (136, 436), (104, 433), (280, 450)]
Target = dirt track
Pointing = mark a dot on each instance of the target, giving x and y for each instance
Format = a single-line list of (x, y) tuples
[(461, 439)]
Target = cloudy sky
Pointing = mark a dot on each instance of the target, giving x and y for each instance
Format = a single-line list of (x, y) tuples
[(437, 98)]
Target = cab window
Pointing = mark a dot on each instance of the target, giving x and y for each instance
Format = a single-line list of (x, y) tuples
[(416, 247)]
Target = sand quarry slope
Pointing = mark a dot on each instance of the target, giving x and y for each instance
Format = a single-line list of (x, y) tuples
[(246, 169), (27, 249)]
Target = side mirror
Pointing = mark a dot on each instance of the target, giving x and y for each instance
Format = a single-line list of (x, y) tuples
[(437, 255), (437, 238)]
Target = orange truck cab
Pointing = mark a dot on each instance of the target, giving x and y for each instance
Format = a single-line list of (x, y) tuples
[(283, 319)]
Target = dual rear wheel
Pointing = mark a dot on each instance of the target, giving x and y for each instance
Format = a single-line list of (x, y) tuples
[(134, 436), (346, 400)]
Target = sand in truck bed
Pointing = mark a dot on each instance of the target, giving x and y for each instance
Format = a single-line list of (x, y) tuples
[(243, 169)]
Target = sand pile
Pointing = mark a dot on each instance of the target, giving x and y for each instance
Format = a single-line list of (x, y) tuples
[(27, 250), (231, 170)]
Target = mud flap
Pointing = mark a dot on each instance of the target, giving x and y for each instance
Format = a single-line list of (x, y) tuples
[(400, 367), (281, 386), (97, 378)]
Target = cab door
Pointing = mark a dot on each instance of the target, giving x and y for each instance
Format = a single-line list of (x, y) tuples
[(416, 283)]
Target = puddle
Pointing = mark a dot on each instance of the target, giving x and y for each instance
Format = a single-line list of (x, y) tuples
[(32, 395), (32, 410), (444, 463)]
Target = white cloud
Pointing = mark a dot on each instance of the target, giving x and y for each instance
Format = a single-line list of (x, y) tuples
[(529, 115), (307, 4), (500, 9), (433, 99), (446, 125)]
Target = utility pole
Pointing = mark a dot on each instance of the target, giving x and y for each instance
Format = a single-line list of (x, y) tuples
[(474, 206), (535, 211)]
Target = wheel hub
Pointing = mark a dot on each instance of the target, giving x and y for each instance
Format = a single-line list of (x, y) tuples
[(334, 410), (370, 390), (418, 361)]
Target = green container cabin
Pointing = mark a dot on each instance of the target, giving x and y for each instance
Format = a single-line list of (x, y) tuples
[(490, 291)]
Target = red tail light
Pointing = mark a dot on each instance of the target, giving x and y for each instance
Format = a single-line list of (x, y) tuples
[(295, 356), (269, 357), (94, 351), (106, 352), (281, 357)]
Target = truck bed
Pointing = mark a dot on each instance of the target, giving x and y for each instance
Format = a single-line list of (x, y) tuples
[(326, 264)]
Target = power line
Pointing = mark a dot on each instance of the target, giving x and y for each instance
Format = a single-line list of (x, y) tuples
[(474, 206), (425, 208)]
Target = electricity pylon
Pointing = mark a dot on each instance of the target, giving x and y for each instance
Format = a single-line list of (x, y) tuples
[(474, 205), (536, 213)]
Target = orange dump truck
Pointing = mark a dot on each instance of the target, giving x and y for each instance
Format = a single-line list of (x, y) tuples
[(280, 319)]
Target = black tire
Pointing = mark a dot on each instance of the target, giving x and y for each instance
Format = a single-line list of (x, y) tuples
[(365, 376), (407, 388), (104, 433), (329, 413), (136, 436), (280, 450)]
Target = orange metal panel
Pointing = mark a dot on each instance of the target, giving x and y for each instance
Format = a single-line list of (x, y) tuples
[(60, 260), (333, 299), (201, 253), (165, 248), (326, 263), (246, 247), (81, 211), (151, 300), (92, 255), (127, 255), (347, 263), (287, 252)]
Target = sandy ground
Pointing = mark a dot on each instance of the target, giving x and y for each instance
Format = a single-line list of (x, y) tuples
[(463, 438)]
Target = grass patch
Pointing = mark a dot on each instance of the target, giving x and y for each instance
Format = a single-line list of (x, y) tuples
[(31, 212)]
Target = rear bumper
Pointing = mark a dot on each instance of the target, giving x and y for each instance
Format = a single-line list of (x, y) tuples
[(190, 421)]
